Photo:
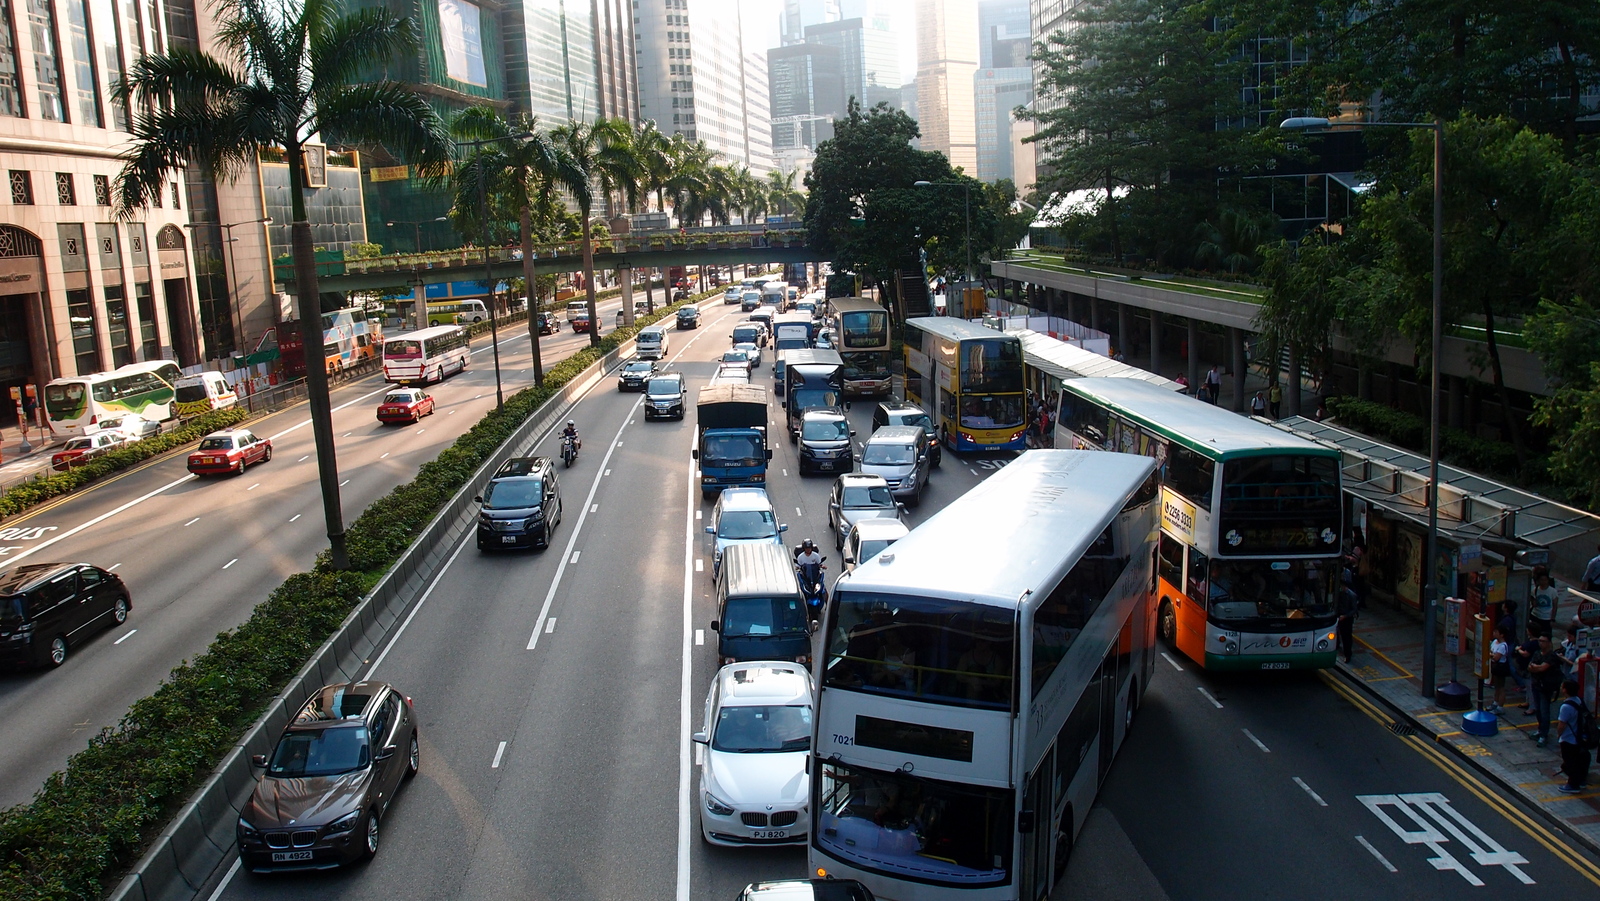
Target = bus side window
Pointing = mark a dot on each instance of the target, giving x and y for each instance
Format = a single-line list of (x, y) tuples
[(1169, 560), (1199, 565)]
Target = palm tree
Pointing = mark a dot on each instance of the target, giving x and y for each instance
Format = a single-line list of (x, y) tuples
[(521, 161), (782, 193), (287, 73), (588, 150), (620, 172)]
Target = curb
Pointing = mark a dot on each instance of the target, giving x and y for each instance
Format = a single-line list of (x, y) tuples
[(1533, 807)]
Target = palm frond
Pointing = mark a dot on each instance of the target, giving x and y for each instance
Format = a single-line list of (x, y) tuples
[(383, 112), (347, 46), (183, 77)]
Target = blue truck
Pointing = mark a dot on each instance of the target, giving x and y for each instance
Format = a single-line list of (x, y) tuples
[(731, 437)]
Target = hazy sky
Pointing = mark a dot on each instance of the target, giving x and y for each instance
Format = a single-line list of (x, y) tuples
[(762, 19)]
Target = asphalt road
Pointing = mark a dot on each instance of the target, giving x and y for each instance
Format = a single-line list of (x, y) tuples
[(199, 554)]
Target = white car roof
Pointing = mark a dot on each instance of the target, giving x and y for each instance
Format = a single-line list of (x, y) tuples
[(760, 683), (745, 499), (880, 529), (863, 478)]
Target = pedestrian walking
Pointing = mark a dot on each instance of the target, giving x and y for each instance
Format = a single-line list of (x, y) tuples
[(1258, 405), (1591, 573), (1499, 669), (1574, 728), (1544, 680), (1275, 400), (1345, 626), (1214, 385), (1542, 602)]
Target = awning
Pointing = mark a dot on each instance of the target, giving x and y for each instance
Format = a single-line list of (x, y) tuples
[(1065, 361)]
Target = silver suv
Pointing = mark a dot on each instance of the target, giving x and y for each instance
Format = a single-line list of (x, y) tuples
[(894, 412), (856, 497), (899, 453)]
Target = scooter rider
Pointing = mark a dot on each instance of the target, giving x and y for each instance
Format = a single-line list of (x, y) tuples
[(807, 553)]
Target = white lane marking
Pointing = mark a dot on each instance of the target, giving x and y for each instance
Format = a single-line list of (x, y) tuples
[(575, 555), (786, 473), (550, 626), (699, 637), (699, 565), (1174, 663), (697, 514), (385, 454), (451, 413), (619, 444), (971, 470), (572, 540), (223, 885), (303, 459), (420, 601), (1252, 736), (420, 431), (305, 422), (685, 806), (230, 563), (344, 483), (348, 434), (295, 517), (113, 567), (608, 472), (1376, 853), (254, 487), (102, 518), (799, 512), (191, 522), (594, 508), (476, 396), (498, 753), (1214, 702), (1314, 796), (125, 637)]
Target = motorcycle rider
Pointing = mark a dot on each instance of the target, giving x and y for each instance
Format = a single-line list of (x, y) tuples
[(571, 431), (816, 592), (807, 553)]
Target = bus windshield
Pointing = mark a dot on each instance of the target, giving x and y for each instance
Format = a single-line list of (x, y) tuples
[(991, 366), (1279, 504), (980, 411), (906, 826), (925, 649), (1246, 592), (866, 364), (867, 328)]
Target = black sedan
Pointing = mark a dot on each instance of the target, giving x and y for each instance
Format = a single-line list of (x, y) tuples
[(689, 317), (634, 374)]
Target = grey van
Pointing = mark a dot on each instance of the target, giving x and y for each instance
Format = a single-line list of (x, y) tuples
[(48, 608), (760, 613), (651, 343), (521, 506), (899, 453)]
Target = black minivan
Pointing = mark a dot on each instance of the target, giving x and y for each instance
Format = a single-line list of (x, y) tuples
[(46, 609), (521, 505)]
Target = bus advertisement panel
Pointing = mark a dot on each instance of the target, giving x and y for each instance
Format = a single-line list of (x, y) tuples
[(77, 405), (1251, 523), (969, 379), (349, 339), (861, 333), (427, 355), (973, 694)]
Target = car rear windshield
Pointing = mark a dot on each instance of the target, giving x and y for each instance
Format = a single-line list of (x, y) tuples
[(399, 397), (764, 617), (320, 752), (825, 430), (881, 453), (745, 524), (216, 444), (513, 494), (868, 496), (189, 393)]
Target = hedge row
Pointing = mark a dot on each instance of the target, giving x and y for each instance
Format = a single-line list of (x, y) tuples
[(1409, 430), (29, 494), (90, 823)]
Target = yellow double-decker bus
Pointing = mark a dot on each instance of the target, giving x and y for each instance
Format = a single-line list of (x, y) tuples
[(1247, 565), (968, 377)]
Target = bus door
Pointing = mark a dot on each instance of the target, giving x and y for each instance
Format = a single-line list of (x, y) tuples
[(1110, 685), (1037, 806)]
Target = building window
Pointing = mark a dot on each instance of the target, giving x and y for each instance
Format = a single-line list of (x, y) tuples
[(85, 342), (155, 198), (175, 204), (46, 59), (102, 190), (21, 188), (110, 36), (66, 195), (87, 92), (10, 94)]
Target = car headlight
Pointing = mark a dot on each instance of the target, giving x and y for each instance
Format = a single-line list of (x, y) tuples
[(246, 830), (718, 806), (345, 823)]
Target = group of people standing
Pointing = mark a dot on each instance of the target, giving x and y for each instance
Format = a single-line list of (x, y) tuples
[(1041, 419)]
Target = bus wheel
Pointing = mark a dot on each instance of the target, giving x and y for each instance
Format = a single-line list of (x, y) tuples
[(1063, 844), (1167, 623)]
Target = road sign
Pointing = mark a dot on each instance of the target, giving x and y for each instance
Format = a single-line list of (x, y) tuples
[(1589, 613)]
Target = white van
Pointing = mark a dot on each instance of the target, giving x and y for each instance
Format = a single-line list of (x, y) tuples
[(574, 307), (202, 393), (651, 343)]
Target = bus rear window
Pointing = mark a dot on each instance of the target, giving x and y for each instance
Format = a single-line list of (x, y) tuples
[(402, 349), (925, 649)]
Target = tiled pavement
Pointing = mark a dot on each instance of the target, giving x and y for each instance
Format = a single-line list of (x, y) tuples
[(1387, 663)]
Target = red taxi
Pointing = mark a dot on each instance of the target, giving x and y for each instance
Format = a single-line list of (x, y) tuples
[(580, 322), (405, 405), (79, 451), (230, 450)]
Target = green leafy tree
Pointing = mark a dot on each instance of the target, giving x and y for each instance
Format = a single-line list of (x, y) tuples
[(284, 74)]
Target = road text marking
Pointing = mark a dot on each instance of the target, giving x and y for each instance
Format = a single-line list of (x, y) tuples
[(1478, 846)]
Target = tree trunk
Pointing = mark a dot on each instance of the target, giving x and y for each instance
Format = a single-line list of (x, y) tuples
[(625, 279), (1111, 212), (532, 278), (1510, 417), (588, 282), (310, 304)]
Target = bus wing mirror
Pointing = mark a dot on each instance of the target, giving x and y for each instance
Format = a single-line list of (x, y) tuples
[(716, 626), (477, 498), (694, 454), (1025, 822)]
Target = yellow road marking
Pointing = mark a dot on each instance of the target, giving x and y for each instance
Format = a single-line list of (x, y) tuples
[(1384, 657)]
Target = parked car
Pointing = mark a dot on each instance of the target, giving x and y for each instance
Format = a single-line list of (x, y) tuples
[(688, 317), (80, 450), (757, 735), (521, 505), (405, 405), (856, 497), (330, 779), (47, 609), (634, 374), (868, 538), (892, 412), (742, 516), (230, 450), (663, 396)]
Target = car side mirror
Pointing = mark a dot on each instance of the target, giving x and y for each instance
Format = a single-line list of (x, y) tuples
[(901, 506), (477, 498), (852, 433), (711, 530), (694, 454), (386, 753), (258, 760), (833, 505), (769, 453), (700, 738), (716, 626), (783, 528)]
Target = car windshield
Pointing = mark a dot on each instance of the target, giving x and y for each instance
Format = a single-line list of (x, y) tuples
[(926, 649), (868, 496), (742, 524), (637, 367), (781, 617), (759, 730), (320, 752), (882, 453), (733, 450), (825, 430), (213, 444), (513, 494), (663, 387), (399, 397)]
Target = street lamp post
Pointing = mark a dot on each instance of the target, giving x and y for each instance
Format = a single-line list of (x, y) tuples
[(488, 265), (235, 315), (1430, 575), (966, 191), (416, 228)]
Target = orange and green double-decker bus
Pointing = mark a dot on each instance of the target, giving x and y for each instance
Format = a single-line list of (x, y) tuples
[(1247, 565)]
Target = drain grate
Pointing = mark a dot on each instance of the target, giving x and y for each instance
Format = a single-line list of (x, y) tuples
[(1402, 729)]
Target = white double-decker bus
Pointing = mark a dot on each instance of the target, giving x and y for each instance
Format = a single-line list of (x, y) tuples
[(978, 679)]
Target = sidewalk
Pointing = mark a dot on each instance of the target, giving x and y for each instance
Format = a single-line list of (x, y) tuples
[(1387, 661), (16, 466)]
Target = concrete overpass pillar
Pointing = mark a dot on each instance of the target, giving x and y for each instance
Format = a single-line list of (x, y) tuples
[(1363, 379), (1236, 344), (1194, 352), (1094, 313), (626, 278), (1155, 342), (1292, 394), (1124, 329)]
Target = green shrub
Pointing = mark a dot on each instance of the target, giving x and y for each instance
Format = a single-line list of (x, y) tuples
[(1410, 431), (90, 822)]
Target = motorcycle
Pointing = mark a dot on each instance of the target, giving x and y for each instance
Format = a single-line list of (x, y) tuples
[(569, 449), (813, 588)]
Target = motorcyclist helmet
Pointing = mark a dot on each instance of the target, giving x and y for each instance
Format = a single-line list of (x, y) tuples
[(571, 424), (808, 545)]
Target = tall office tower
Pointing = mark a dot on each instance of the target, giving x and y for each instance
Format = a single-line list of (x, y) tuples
[(758, 114), (996, 93), (617, 82), (869, 60), (797, 14), (1004, 38), (550, 64), (806, 94), (947, 60)]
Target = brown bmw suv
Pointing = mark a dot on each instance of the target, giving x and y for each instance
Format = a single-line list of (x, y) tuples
[(327, 784)]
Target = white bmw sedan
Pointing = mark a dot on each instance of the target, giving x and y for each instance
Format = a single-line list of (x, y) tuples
[(753, 786)]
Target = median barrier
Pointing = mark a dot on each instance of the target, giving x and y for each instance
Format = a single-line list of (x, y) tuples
[(181, 860)]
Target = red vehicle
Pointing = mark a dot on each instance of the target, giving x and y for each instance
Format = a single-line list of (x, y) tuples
[(405, 405), (230, 450), (79, 451), (580, 322)]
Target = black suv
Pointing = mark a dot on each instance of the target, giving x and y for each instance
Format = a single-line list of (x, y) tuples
[(521, 506), (48, 608), (688, 317), (663, 396), (894, 412)]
